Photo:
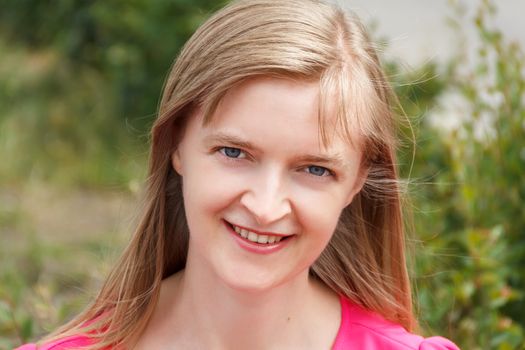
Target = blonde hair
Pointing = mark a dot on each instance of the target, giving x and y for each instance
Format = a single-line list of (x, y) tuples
[(293, 39)]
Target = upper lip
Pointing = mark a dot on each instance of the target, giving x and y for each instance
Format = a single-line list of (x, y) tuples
[(259, 232)]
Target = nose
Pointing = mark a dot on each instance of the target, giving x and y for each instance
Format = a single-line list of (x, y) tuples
[(267, 198)]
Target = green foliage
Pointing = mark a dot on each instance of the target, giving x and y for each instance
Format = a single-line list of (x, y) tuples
[(468, 194), (79, 85), (81, 81), (56, 248)]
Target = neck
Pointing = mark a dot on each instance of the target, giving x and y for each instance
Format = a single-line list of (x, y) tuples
[(292, 315)]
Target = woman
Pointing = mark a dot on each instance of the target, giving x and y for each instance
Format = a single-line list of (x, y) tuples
[(272, 216)]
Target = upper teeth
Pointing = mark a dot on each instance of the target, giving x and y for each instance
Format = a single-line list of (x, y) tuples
[(252, 236)]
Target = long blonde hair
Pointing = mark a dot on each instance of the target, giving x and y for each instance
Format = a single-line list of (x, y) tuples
[(297, 39)]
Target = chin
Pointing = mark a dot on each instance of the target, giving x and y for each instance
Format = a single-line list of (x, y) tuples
[(248, 281)]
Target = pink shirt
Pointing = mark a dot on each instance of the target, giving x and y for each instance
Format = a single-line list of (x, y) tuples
[(360, 329), (363, 329)]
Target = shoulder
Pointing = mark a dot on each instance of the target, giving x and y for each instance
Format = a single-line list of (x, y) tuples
[(363, 329), (69, 343)]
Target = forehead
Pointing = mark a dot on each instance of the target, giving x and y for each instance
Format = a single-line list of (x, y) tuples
[(284, 105), (292, 101), (275, 116)]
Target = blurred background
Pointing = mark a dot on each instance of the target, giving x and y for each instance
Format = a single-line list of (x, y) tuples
[(79, 86)]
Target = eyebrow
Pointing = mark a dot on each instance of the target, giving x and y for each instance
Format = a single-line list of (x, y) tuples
[(222, 137), (335, 160)]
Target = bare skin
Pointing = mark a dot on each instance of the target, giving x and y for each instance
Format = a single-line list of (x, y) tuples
[(258, 167), (186, 318)]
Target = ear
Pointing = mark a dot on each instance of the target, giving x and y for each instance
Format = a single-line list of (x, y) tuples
[(358, 185), (176, 162)]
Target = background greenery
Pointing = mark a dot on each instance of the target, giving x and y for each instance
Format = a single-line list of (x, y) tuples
[(79, 86)]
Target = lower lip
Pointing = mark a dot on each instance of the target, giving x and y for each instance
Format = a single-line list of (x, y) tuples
[(259, 248)]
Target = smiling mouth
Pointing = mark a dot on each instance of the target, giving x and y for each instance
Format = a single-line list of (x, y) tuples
[(256, 237)]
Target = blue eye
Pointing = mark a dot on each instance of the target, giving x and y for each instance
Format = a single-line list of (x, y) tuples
[(318, 170), (231, 152)]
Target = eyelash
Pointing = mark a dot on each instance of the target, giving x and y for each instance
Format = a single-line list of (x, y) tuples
[(327, 171), (222, 151)]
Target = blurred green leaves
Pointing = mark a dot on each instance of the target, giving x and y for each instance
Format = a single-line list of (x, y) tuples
[(470, 218), (79, 87), (80, 83)]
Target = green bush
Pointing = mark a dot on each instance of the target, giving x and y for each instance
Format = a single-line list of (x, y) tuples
[(469, 206), (79, 87)]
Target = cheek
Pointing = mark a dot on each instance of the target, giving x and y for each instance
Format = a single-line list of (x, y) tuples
[(208, 189), (319, 212)]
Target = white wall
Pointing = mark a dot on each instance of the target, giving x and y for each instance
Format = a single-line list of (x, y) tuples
[(417, 29)]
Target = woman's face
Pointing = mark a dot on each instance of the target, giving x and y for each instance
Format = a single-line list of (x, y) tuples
[(262, 195)]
